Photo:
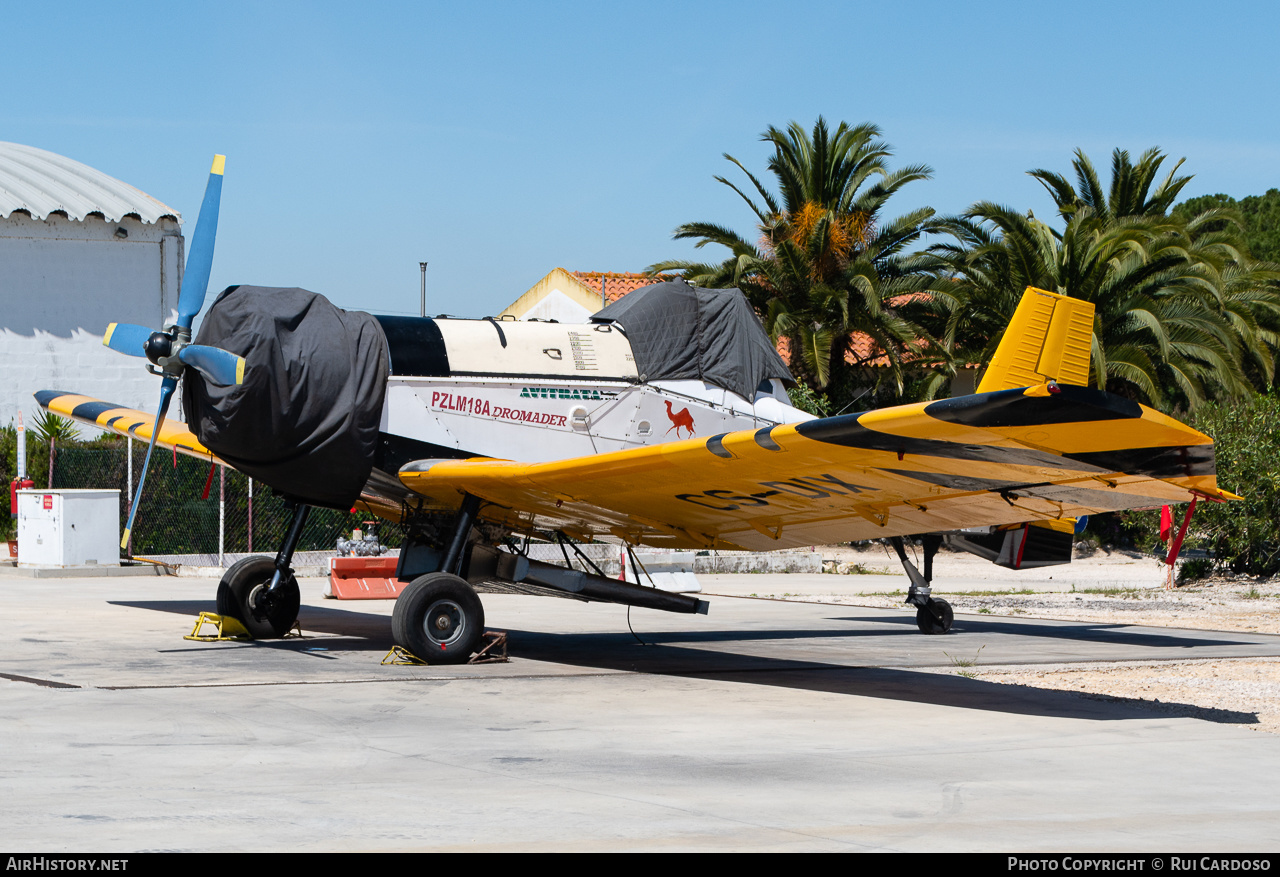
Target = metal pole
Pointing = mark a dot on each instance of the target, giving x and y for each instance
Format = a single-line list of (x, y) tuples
[(22, 449), (604, 299), (423, 266), (129, 486), (222, 513), (251, 516)]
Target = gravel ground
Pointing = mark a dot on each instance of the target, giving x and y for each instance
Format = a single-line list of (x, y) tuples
[(1115, 589), (1217, 604), (1240, 691)]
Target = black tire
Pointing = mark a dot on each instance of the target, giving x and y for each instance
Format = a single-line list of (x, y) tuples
[(928, 620), (438, 618), (238, 586)]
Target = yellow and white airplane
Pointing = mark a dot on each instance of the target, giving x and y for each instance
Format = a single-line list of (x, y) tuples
[(663, 422)]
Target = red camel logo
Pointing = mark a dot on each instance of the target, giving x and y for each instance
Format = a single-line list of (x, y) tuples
[(680, 420)]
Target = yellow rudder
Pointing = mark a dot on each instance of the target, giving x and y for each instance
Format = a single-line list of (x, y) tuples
[(1050, 338)]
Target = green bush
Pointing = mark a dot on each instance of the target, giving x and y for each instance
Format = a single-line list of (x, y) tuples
[(37, 469), (1138, 530), (1243, 536), (1194, 569), (173, 518), (1240, 536), (806, 399)]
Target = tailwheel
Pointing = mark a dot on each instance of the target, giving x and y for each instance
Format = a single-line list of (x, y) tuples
[(242, 595), (935, 617), (438, 618)]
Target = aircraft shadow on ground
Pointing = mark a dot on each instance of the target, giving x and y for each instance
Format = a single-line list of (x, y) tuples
[(1076, 631), (621, 652), (368, 631), (375, 629), (675, 654)]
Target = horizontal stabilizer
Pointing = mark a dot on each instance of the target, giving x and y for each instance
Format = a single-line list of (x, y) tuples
[(1050, 338)]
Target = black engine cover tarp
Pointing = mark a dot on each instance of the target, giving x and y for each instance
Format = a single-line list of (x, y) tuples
[(678, 331), (305, 420)]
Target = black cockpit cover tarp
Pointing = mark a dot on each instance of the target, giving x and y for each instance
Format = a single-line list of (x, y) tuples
[(678, 331), (305, 420)]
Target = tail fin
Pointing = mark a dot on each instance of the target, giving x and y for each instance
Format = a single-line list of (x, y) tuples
[(1050, 338)]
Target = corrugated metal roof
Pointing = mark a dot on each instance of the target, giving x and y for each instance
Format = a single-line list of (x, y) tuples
[(42, 182)]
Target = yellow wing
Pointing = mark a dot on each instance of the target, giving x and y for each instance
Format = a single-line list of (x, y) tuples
[(1032, 454), (384, 502), (125, 421)]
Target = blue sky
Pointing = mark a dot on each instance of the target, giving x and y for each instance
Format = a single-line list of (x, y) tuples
[(499, 140)]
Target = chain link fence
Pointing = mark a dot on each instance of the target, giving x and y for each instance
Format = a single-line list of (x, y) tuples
[(192, 508)]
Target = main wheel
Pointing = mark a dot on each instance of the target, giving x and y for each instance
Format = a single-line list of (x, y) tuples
[(240, 595), (439, 618), (928, 620)]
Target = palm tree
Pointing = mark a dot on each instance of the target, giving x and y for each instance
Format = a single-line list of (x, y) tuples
[(825, 263), (1179, 307)]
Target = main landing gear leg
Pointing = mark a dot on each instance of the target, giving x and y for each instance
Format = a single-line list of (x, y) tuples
[(261, 593), (932, 616), (438, 617)]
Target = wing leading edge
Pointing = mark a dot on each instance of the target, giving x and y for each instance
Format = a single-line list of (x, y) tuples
[(1040, 453), (124, 421)]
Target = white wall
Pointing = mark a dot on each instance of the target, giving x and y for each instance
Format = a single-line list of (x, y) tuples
[(559, 307), (61, 283)]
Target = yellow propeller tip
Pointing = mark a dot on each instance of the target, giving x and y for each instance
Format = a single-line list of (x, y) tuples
[(106, 339), (124, 543), (219, 163)]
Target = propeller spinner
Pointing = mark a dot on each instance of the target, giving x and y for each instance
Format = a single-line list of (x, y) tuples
[(170, 351)]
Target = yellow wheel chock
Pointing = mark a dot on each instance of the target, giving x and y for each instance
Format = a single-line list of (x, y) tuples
[(494, 652), (399, 657), (228, 629)]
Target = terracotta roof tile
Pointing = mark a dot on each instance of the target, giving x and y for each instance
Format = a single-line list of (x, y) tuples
[(861, 344), (618, 283)]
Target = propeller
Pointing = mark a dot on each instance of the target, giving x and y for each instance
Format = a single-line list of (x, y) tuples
[(170, 351)]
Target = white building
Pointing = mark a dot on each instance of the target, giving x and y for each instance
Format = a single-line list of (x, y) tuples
[(78, 250)]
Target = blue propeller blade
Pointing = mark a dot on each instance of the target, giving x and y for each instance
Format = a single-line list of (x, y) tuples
[(195, 281), (217, 365), (166, 393), (127, 338)]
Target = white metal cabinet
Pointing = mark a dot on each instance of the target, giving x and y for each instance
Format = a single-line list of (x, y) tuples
[(68, 528)]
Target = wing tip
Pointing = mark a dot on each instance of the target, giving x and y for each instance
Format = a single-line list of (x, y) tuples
[(44, 397)]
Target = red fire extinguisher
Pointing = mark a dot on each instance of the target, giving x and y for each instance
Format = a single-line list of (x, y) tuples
[(14, 487)]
